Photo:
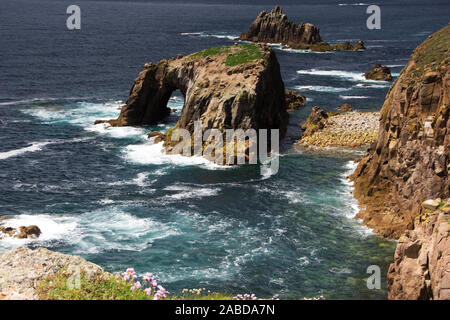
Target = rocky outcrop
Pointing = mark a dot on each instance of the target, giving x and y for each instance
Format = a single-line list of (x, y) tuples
[(294, 100), (345, 108), (232, 87), (22, 269), (410, 160), (379, 73), (275, 27), (421, 268), (331, 129), (20, 233)]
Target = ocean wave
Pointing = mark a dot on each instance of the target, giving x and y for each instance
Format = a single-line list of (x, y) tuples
[(365, 85), (204, 34), (348, 75), (149, 153), (353, 4), (353, 97), (188, 192), (322, 88), (35, 146), (91, 232)]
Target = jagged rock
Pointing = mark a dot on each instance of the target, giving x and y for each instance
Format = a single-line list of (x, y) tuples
[(275, 27), (379, 73), (421, 260), (232, 87), (294, 100), (409, 162), (22, 232), (159, 136), (345, 108), (317, 120)]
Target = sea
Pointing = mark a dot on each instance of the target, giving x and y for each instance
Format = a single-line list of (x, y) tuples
[(111, 196)]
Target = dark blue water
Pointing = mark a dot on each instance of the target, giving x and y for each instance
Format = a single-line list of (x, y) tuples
[(112, 197)]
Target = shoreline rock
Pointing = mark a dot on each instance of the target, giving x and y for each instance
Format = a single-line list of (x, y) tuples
[(409, 162), (420, 268), (294, 100), (355, 129), (275, 27), (20, 233), (22, 269)]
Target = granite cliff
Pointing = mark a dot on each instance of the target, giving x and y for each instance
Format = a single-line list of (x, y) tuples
[(409, 164), (275, 27)]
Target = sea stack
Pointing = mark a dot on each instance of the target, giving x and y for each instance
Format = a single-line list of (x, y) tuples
[(231, 87), (275, 27), (407, 166)]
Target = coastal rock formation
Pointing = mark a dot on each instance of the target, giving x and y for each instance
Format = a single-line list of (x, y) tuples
[(232, 87), (275, 27), (410, 160), (379, 73), (331, 129), (294, 100), (20, 233), (22, 269), (422, 259), (345, 108)]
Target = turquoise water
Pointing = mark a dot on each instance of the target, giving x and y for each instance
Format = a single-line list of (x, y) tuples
[(112, 197)]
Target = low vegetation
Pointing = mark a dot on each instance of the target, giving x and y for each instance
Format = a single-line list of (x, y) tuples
[(236, 55)]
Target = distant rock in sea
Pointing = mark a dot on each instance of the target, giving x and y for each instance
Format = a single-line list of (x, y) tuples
[(379, 73), (275, 27)]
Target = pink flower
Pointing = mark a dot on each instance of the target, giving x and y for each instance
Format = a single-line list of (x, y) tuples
[(153, 283), (126, 277), (130, 271), (148, 291), (137, 285), (147, 277)]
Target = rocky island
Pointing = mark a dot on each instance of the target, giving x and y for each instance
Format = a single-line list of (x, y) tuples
[(275, 27), (402, 183), (230, 87), (379, 73)]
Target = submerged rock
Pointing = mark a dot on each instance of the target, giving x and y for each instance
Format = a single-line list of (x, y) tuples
[(379, 73), (275, 27), (22, 232)]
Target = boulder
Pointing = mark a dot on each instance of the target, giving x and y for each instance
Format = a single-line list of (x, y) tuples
[(316, 121), (294, 100), (430, 204), (379, 73), (345, 108)]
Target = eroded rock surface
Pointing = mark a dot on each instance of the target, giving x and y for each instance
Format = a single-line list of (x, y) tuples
[(22, 232), (421, 268), (22, 269), (275, 27), (410, 160), (232, 87), (379, 73)]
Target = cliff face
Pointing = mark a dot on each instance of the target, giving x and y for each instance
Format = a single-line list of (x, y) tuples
[(275, 27), (409, 163), (234, 87), (421, 268)]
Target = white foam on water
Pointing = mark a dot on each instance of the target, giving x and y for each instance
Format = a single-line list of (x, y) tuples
[(149, 153), (348, 198), (204, 34), (91, 232), (353, 97), (35, 146), (348, 75), (190, 192), (353, 4), (322, 88), (52, 228)]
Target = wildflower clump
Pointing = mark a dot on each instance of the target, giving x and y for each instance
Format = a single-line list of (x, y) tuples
[(149, 284)]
